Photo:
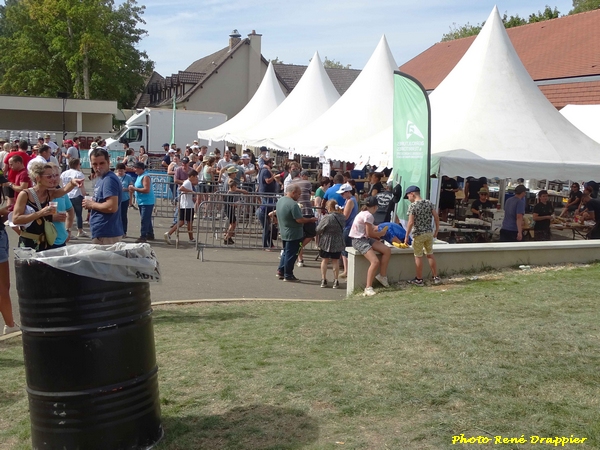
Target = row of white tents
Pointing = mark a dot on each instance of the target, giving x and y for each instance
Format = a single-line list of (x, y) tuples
[(488, 117)]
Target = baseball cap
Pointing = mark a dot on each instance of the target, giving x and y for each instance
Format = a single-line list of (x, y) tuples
[(264, 149), (411, 189), (46, 136), (371, 201), (346, 187), (185, 159), (93, 145), (245, 156), (165, 145), (520, 189), (172, 150)]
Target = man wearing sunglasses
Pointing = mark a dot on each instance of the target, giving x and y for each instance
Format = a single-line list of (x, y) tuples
[(481, 204)]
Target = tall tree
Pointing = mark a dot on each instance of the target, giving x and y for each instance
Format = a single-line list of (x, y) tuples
[(83, 47), (584, 5)]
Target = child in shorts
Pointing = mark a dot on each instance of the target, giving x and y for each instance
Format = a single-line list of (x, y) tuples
[(366, 240), (420, 215)]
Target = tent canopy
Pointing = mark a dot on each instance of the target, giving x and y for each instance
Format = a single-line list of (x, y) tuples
[(585, 117), (268, 96), (313, 95), (490, 119), (363, 111)]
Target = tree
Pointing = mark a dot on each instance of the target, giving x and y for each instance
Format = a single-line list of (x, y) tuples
[(332, 64), (463, 31), (458, 32), (83, 47), (584, 5), (276, 60)]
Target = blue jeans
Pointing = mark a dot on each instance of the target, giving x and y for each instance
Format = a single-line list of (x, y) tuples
[(77, 206), (263, 216), (288, 259), (146, 229), (124, 210)]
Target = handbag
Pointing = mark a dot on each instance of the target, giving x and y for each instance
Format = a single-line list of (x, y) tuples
[(50, 232)]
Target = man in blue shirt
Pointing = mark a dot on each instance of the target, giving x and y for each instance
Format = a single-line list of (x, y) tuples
[(331, 193), (514, 209), (105, 217), (267, 184)]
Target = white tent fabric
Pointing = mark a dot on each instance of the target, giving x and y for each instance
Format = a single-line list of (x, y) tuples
[(364, 110), (267, 98), (585, 117), (313, 95), (490, 119)]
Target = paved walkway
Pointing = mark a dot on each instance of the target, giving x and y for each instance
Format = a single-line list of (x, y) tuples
[(224, 274)]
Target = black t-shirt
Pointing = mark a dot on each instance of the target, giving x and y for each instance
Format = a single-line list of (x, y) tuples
[(449, 195), (574, 195), (377, 186), (479, 205), (474, 188), (594, 205), (542, 209), (263, 186)]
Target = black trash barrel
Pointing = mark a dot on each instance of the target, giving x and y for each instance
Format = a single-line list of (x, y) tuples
[(90, 361)]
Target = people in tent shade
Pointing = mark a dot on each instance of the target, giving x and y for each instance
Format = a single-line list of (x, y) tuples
[(514, 209), (481, 204), (573, 201), (543, 213), (472, 187), (448, 190)]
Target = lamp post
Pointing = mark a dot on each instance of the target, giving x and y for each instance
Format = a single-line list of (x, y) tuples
[(64, 96)]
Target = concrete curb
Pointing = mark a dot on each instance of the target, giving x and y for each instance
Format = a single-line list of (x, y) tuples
[(232, 300)]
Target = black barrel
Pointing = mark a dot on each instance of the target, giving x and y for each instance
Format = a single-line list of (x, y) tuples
[(90, 360)]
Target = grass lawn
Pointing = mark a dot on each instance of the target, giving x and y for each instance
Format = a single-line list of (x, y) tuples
[(510, 354)]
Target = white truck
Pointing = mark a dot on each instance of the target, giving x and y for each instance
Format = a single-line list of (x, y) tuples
[(152, 127)]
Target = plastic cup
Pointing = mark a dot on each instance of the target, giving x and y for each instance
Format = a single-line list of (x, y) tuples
[(53, 205)]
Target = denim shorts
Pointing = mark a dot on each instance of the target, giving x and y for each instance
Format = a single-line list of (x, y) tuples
[(3, 246)]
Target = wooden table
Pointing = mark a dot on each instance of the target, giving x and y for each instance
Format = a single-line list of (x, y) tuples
[(577, 229)]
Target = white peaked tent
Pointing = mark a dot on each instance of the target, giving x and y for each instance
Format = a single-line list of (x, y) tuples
[(363, 111), (268, 96), (313, 95), (585, 117), (490, 119)]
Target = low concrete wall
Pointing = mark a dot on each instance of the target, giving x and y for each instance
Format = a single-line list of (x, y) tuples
[(456, 258)]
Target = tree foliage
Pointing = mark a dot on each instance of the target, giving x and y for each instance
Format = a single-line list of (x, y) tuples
[(584, 5), (332, 64), (276, 60), (84, 47), (462, 31)]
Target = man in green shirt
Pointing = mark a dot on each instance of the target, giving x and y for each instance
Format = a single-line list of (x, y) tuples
[(291, 222)]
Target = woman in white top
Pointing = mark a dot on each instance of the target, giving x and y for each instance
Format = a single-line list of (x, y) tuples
[(365, 239), (188, 203)]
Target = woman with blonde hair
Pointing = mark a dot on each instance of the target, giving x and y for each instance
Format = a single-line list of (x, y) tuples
[(331, 241), (37, 205)]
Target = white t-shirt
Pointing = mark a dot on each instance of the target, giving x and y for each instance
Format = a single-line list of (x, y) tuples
[(67, 176), (359, 228), (187, 198), (53, 146)]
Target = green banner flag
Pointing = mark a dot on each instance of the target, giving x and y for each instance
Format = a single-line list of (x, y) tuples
[(173, 126), (412, 129)]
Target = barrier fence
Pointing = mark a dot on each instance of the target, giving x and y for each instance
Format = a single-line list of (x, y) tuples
[(222, 219)]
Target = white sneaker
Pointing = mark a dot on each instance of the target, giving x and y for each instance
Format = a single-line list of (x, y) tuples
[(300, 263), (382, 280), (168, 238), (82, 234), (369, 292), (192, 241), (9, 330), (437, 280)]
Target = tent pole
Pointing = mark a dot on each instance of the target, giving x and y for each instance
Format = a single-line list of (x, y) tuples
[(501, 192)]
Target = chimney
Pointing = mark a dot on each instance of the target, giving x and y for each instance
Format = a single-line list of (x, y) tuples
[(234, 39), (255, 65)]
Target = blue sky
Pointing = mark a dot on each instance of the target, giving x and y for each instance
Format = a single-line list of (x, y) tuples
[(181, 31)]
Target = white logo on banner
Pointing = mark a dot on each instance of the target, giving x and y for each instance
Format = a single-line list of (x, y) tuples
[(412, 129)]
